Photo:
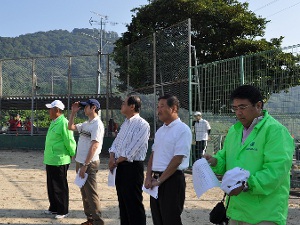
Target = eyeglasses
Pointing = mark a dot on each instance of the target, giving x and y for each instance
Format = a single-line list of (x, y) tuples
[(239, 107)]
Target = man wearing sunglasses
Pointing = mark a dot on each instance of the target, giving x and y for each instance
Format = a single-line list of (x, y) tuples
[(261, 145)]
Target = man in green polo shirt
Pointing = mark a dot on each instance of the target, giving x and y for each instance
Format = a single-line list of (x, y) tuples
[(60, 146)]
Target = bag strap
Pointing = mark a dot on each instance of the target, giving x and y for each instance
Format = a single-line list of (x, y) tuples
[(223, 200)]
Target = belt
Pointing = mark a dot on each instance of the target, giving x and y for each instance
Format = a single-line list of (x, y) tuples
[(157, 174), (130, 163)]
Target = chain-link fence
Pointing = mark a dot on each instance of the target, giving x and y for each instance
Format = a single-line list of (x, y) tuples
[(276, 73), (158, 65), (27, 84), (63, 75)]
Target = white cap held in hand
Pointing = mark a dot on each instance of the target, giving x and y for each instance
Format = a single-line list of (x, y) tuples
[(234, 178)]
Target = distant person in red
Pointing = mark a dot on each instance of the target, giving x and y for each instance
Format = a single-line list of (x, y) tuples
[(12, 124), (27, 124), (18, 122)]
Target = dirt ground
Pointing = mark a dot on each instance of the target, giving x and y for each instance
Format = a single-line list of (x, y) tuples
[(24, 197)]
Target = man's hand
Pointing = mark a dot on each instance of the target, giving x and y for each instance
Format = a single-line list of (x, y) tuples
[(237, 191), (75, 107), (155, 182), (82, 171), (210, 159), (112, 164), (148, 182)]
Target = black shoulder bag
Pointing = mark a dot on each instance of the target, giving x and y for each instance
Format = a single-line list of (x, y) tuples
[(218, 213)]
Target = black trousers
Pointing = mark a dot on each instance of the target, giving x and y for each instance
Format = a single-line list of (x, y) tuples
[(167, 209), (129, 181), (58, 189), (200, 146)]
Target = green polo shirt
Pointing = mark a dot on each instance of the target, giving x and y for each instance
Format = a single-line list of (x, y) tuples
[(60, 143)]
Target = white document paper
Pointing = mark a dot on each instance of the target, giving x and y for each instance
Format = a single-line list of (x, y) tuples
[(112, 178), (80, 181), (203, 177), (153, 192)]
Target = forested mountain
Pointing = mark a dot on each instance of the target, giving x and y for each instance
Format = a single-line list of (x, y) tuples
[(56, 43)]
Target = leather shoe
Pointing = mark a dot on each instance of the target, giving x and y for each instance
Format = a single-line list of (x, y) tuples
[(88, 222)]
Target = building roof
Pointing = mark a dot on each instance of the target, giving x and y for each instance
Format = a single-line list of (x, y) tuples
[(38, 102)]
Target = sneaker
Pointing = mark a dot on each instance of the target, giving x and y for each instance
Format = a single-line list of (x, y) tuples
[(61, 216), (88, 222), (48, 212)]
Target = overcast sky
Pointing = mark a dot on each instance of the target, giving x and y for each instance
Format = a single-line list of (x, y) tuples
[(30, 16)]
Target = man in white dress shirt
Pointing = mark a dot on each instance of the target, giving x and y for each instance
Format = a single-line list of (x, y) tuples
[(169, 158), (127, 153)]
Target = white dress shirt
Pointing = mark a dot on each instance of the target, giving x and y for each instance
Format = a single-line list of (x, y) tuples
[(201, 128)]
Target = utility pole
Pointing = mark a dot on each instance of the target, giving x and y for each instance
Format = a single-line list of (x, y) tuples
[(100, 48)]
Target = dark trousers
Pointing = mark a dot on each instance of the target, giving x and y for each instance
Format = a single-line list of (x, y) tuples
[(200, 146), (58, 189), (167, 209), (129, 181)]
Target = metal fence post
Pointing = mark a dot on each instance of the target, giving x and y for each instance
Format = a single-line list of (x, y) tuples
[(127, 48), (33, 95), (154, 82), (1, 88), (107, 93), (1, 84), (189, 73), (242, 72), (69, 83)]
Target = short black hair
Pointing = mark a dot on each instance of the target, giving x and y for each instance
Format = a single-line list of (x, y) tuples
[(247, 92), (172, 100), (136, 101)]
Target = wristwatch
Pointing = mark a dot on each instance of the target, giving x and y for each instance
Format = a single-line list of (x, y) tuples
[(85, 164)]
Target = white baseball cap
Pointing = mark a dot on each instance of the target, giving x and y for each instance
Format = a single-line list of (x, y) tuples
[(56, 103), (234, 178), (197, 113)]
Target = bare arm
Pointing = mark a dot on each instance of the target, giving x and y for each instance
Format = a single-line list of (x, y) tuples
[(75, 108), (112, 161), (148, 180)]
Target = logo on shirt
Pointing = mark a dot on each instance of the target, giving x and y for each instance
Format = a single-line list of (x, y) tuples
[(251, 147), (85, 134)]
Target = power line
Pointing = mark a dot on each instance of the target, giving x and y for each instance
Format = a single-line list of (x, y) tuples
[(270, 3), (284, 9)]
